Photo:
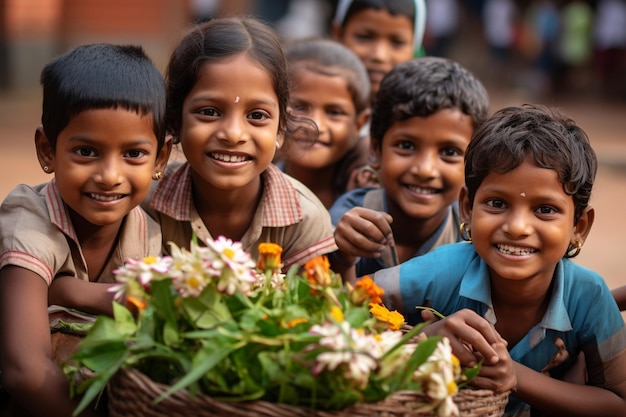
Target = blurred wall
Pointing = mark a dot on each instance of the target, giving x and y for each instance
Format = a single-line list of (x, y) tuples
[(35, 31)]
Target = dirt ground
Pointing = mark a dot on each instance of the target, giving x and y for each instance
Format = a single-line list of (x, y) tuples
[(604, 122)]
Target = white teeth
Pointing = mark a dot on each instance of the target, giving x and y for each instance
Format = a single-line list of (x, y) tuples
[(104, 197), (420, 190), (513, 250), (229, 158)]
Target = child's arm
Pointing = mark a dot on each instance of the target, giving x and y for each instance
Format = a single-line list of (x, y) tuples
[(468, 337), (363, 232), (558, 398), (90, 297), (28, 372), (619, 294)]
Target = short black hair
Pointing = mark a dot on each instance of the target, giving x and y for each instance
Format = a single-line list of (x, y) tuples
[(546, 135), (423, 86), (329, 57), (101, 76)]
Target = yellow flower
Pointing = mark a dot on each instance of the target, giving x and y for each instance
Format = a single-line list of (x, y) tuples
[(269, 257), (366, 289), (336, 314), (317, 271), (393, 319)]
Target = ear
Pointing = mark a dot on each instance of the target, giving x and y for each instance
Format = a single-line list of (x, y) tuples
[(583, 226), (45, 152), (375, 153), (362, 118), (280, 138), (164, 154), (465, 207)]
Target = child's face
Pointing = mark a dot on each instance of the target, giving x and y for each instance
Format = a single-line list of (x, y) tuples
[(522, 222), (230, 123), (104, 162), (421, 163), (379, 39), (327, 101)]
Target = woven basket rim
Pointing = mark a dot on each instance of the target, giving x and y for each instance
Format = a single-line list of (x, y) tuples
[(131, 393)]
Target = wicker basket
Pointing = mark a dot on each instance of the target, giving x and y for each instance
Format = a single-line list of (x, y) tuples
[(132, 394)]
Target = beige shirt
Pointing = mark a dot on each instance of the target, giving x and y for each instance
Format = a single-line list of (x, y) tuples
[(36, 233), (289, 214)]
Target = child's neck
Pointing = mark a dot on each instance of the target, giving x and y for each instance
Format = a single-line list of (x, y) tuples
[(410, 233), (519, 306), (96, 243), (227, 213), (320, 181)]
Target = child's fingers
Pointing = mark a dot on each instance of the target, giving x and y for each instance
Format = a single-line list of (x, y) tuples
[(363, 232), (500, 376)]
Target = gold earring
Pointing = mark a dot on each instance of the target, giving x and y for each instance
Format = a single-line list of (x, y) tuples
[(465, 232), (158, 175), (46, 168), (574, 249)]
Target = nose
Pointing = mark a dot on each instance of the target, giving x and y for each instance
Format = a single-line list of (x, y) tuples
[(109, 172), (318, 116), (425, 165), (233, 130), (379, 51), (517, 223)]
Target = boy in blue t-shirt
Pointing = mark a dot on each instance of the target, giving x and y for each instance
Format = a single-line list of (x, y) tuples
[(512, 294)]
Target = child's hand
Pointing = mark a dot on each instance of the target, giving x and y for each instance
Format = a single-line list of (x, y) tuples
[(471, 336), (498, 377), (363, 232)]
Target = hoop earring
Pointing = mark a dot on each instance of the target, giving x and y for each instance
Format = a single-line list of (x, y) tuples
[(45, 168), (157, 175), (574, 249), (465, 232)]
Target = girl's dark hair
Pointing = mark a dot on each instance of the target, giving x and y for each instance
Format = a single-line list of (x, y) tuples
[(423, 86), (218, 39), (101, 76), (551, 139), (328, 57)]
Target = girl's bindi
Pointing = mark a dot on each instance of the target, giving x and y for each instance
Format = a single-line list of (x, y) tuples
[(522, 195), (237, 99)]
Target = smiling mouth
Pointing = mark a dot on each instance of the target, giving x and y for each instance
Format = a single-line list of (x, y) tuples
[(420, 190), (229, 158), (514, 250), (106, 198)]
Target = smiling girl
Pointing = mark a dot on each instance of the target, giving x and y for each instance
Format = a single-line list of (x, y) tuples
[(227, 91)]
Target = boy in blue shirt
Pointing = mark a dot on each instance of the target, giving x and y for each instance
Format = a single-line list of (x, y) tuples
[(525, 209)]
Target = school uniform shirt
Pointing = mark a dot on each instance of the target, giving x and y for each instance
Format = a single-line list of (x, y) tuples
[(375, 198), (289, 214), (36, 233), (581, 316)]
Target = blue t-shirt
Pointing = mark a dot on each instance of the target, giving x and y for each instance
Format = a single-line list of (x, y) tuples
[(581, 316)]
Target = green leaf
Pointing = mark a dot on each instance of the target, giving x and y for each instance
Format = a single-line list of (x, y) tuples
[(93, 387), (170, 334), (103, 331), (208, 310), (204, 361), (124, 320)]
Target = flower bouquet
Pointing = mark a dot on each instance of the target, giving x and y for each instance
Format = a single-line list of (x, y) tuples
[(215, 325)]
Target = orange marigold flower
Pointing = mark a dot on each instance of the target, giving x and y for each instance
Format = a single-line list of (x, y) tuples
[(317, 271), (135, 303), (367, 288), (392, 319), (269, 257), (294, 322)]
